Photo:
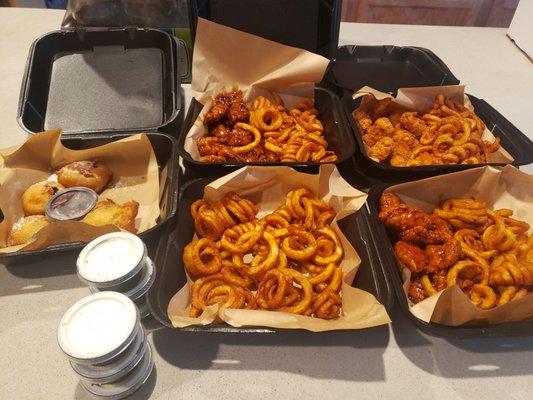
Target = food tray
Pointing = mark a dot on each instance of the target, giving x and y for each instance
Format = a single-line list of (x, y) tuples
[(101, 80), (384, 252), (165, 150), (170, 273), (513, 140), (385, 68), (336, 132), (388, 68)]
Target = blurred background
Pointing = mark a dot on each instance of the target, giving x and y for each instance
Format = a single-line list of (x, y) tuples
[(496, 13)]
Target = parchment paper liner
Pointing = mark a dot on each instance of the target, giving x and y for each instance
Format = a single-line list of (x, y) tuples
[(135, 177), (508, 188), (421, 99), (268, 187), (224, 58)]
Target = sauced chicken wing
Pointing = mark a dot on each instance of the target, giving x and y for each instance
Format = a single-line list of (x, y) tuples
[(240, 137), (444, 256), (416, 291), (228, 108), (413, 225), (210, 146), (389, 201), (426, 245), (238, 112), (439, 280), (221, 132), (434, 231), (217, 112), (411, 256), (226, 104)]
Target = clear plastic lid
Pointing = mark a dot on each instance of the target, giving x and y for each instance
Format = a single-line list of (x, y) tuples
[(111, 259), (98, 327), (71, 204)]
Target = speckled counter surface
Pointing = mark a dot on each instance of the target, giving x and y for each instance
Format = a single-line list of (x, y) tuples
[(392, 362)]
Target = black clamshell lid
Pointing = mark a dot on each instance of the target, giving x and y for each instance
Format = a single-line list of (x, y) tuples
[(100, 80), (386, 68), (170, 273), (312, 25)]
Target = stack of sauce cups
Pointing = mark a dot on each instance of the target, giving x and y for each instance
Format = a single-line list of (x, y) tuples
[(118, 262), (102, 337)]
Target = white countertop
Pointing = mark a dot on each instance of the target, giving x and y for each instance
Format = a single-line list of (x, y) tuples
[(390, 362)]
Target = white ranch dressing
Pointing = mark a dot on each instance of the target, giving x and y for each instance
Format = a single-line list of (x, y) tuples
[(110, 257), (97, 325)]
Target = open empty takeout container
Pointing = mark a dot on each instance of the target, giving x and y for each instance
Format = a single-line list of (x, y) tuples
[(89, 80)]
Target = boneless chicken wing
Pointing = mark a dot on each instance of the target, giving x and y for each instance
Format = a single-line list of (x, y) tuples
[(238, 112), (416, 291), (413, 225), (411, 256), (433, 232), (442, 257), (217, 112)]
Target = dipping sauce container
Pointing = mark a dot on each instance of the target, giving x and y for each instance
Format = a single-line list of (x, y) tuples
[(118, 261), (98, 328), (114, 371), (102, 336), (127, 385), (110, 261), (71, 204)]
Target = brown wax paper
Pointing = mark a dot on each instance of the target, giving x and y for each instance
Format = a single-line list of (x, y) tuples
[(135, 177), (267, 187), (421, 99), (507, 188), (225, 58)]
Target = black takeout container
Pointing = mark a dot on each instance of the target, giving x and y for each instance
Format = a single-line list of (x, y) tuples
[(336, 132), (382, 249), (312, 25), (513, 140), (95, 80), (170, 272), (388, 68), (165, 151), (385, 68)]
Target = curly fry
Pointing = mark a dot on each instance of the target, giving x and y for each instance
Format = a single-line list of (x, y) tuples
[(483, 296)]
